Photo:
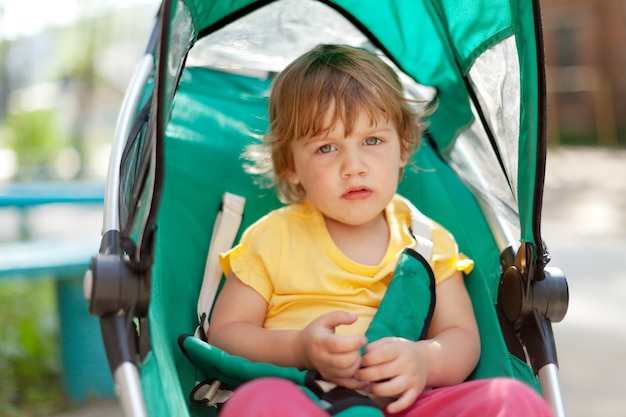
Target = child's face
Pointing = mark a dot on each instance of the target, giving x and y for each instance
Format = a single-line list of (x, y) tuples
[(350, 179)]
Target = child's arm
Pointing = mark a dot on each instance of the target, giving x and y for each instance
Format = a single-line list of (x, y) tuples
[(447, 357), (237, 327)]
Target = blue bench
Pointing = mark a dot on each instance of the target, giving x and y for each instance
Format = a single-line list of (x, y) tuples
[(64, 260), (28, 194)]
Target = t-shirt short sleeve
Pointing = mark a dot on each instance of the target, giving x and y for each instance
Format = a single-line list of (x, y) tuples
[(446, 259), (246, 260)]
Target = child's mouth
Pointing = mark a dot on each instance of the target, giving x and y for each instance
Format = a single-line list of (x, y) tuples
[(357, 193)]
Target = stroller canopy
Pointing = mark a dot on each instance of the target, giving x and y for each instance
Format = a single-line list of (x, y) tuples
[(478, 61), (458, 48)]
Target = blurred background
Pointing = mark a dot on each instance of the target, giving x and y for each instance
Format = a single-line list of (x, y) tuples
[(64, 67)]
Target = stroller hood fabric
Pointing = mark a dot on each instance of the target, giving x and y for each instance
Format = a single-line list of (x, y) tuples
[(484, 108)]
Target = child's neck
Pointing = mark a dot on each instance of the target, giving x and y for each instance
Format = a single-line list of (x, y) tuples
[(365, 243)]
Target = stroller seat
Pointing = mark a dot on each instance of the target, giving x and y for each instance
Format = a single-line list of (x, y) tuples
[(206, 135)]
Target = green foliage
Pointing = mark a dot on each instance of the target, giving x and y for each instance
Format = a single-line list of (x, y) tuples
[(35, 138), (30, 368)]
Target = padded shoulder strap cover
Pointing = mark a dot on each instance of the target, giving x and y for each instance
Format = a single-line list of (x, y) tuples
[(407, 308), (421, 229)]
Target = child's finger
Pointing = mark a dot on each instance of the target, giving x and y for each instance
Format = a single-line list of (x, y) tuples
[(337, 318), (350, 383), (403, 402), (379, 352), (382, 343), (341, 344), (346, 345), (374, 373)]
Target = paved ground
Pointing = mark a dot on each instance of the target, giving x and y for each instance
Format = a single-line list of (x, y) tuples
[(584, 224)]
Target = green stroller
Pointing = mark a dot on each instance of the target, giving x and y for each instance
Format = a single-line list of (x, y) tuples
[(199, 95)]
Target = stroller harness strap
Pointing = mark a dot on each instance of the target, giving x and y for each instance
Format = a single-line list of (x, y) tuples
[(225, 229), (421, 230), (227, 223), (405, 311)]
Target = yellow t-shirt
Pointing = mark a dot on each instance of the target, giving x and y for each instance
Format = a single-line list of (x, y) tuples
[(290, 259)]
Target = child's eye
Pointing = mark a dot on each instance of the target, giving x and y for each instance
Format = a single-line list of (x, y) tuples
[(326, 149), (372, 141)]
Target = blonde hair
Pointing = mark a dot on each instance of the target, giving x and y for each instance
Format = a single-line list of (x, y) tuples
[(338, 78)]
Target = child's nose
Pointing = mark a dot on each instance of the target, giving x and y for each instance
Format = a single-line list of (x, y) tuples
[(353, 164)]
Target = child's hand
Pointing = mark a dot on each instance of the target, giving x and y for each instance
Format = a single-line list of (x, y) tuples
[(395, 369), (335, 357)]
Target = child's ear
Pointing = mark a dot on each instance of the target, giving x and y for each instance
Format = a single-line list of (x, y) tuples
[(404, 154), (403, 160), (292, 176)]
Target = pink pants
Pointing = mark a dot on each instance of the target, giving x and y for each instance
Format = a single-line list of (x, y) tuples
[(497, 397)]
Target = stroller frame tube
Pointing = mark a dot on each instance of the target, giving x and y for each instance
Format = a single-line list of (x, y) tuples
[(502, 232), (126, 378), (124, 124), (549, 379), (126, 374)]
